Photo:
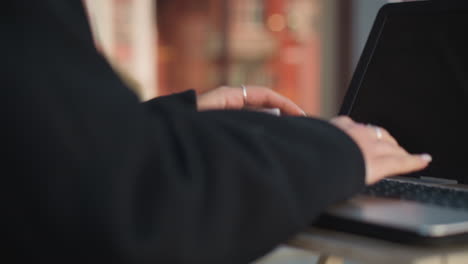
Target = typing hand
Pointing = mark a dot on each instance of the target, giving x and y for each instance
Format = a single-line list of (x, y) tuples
[(252, 97), (382, 154)]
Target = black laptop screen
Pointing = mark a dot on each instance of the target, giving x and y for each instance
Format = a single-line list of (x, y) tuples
[(415, 85)]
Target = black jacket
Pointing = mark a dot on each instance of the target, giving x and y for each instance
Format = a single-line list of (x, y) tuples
[(97, 177)]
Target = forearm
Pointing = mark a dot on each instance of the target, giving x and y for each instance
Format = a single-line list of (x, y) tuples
[(232, 185)]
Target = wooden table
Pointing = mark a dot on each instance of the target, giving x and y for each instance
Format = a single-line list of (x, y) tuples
[(333, 247)]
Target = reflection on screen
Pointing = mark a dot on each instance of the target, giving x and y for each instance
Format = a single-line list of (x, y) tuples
[(416, 87)]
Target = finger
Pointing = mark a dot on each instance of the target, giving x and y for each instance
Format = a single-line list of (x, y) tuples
[(405, 164), (392, 165), (262, 97), (220, 98)]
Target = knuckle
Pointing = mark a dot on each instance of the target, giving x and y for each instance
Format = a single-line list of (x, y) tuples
[(384, 130), (401, 149)]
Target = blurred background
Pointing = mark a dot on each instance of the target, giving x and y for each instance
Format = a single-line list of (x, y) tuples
[(303, 49)]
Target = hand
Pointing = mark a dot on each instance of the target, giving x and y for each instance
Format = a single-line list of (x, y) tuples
[(382, 154), (257, 97)]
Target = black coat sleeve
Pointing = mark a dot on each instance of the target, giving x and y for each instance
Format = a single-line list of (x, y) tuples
[(185, 100), (98, 177)]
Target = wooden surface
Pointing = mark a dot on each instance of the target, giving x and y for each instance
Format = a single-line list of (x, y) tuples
[(335, 246)]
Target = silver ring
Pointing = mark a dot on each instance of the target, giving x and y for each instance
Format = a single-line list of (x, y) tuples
[(244, 94), (378, 131)]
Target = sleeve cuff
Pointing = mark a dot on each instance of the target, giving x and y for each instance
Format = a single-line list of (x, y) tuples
[(186, 99)]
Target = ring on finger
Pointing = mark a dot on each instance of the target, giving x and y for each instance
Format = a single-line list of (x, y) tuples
[(378, 131), (244, 93)]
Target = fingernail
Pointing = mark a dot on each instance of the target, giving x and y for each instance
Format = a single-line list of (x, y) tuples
[(304, 113), (426, 157)]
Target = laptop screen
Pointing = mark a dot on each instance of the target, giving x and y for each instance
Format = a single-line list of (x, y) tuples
[(415, 85)]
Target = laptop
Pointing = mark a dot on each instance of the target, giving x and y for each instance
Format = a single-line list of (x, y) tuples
[(412, 79)]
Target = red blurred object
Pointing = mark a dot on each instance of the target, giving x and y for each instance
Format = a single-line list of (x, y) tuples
[(205, 44)]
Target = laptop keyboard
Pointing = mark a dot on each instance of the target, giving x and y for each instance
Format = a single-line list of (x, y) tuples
[(436, 195)]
